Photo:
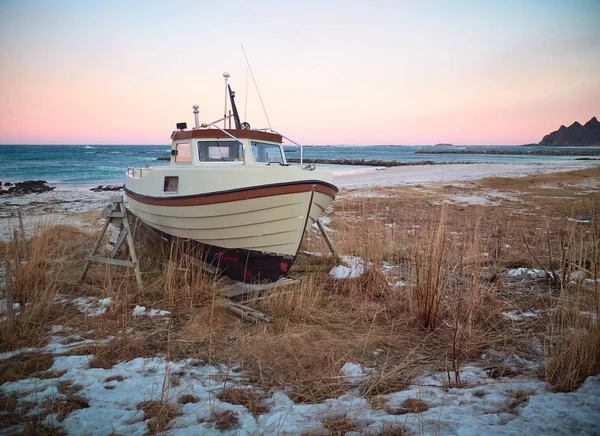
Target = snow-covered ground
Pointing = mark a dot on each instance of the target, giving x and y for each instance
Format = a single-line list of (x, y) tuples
[(483, 406), (109, 400)]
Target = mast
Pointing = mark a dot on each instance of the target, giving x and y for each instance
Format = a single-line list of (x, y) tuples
[(236, 117)]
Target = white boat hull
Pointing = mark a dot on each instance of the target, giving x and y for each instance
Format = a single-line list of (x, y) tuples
[(262, 225)]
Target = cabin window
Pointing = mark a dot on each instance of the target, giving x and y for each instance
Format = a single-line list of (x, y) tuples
[(220, 151), (171, 184), (182, 152), (267, 153)]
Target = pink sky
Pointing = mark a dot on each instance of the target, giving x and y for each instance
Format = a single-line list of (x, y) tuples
[(330, 72)]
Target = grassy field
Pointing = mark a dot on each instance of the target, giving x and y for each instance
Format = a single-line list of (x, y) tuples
[(499, 273)]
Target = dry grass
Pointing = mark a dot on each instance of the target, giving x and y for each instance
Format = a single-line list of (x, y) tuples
[(391, 430), (410, 405), (123, 348), (340, 426), (517, 399), (8, 415), (452, 258), (160, 414), (188, 398), (223, 420), (62, 407), (118, 378), (430, 273), (243, 397), (35, 427), (24, 365)]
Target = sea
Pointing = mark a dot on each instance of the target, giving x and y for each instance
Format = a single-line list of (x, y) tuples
[(84, 166)]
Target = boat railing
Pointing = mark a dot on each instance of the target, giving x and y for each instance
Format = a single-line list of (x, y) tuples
[(292, 141), (138, 173)]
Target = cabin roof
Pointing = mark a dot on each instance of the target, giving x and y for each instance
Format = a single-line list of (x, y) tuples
[(216, 133)]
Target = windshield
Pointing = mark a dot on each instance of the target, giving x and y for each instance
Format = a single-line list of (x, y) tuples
[(219, 151), (263, 152)]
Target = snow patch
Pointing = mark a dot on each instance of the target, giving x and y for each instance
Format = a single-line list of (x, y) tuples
[(355, 268), (530, 272), (142, 311), (91, 306), (352, 372), (518, 315)]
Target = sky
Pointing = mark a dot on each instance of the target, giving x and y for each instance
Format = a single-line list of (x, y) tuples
[(404, 72)]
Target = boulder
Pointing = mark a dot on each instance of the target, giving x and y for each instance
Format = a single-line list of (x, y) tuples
[(107, 188), (27, 187)]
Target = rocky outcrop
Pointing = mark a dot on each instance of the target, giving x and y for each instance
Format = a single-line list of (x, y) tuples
[(107, 188), (26, 187), (575, 134), (516, 152), (374, 163)]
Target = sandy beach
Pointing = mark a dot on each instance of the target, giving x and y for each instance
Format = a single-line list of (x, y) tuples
[(428, 174)]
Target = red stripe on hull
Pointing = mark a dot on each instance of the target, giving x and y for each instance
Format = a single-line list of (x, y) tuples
[(235, 195)]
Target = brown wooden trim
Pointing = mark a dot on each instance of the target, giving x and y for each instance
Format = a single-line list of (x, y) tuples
[(236, 195), (218, 134)]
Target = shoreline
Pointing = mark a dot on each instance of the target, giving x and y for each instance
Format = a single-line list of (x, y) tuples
[(516, 152), (431, 174), (374, 162), (69, 205)]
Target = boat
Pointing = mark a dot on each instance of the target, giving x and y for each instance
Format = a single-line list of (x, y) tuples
[(229, 195)]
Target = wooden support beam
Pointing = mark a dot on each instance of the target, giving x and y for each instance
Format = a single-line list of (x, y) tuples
[(94, 249), (109, 261), (115, 214), (22, 233), (327, 240)]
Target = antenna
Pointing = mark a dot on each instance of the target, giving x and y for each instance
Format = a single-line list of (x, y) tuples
[(256, 86), (226, 77), (246, 98)]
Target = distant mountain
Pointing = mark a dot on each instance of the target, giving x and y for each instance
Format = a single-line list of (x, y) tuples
[(575, 134)]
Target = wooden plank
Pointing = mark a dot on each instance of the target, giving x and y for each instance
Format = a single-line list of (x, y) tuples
[(118, 243), (113, 214), (106, 260), (94, 249), (129, 235), (240, 289), (248, 314), (22, 232)]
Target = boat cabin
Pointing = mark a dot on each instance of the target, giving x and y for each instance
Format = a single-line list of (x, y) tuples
[(229, 146)]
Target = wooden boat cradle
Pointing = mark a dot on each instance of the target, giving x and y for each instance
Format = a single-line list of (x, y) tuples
[(117, 214)]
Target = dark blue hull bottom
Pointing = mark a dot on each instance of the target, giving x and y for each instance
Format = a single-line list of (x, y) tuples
[(239, 264)]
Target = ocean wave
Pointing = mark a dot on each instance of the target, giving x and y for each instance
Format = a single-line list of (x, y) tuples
[(89, 146)]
